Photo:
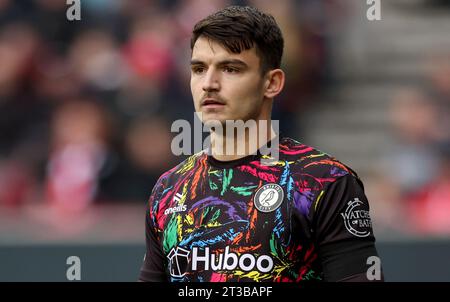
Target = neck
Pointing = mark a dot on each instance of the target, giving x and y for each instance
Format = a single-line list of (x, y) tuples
[(230, 145)]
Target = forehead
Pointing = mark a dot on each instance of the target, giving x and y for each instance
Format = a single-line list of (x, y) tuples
[(210, 52)]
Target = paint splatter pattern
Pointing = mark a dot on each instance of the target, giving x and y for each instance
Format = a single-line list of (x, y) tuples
[(209, 212)]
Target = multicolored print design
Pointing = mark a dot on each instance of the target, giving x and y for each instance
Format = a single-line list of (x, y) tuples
[(221, 234)]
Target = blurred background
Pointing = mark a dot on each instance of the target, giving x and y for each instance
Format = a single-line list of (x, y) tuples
[(86, 108)]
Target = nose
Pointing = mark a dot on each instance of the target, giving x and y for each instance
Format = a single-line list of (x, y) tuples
[(211, 81)]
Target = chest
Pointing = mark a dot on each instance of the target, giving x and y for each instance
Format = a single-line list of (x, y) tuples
[(229, 207)]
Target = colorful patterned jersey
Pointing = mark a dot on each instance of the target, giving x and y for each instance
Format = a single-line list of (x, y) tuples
[(305, 217)]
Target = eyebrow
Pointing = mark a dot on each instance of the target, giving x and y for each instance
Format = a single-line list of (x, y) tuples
[(221, 63)]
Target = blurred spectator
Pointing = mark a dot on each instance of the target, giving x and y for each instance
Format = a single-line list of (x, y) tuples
[(16, 183), (23, 141), (148, 52), (18, 43), (412, 162), (429, 207), (149, 60), (79, 149), (50, 19), (96, 61), (294, 63), (439, 74), (145, 157), (416, 174)]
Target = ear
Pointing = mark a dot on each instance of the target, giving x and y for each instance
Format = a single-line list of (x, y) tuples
[(274, 83)]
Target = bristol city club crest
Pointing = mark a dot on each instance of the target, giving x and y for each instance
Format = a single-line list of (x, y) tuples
[(268, 198)]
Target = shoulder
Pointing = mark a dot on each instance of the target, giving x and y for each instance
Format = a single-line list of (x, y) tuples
[(312, 164), (169, 183), (173, 175), (321, 181)]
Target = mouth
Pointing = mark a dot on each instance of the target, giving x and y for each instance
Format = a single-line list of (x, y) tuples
[(212, 103)]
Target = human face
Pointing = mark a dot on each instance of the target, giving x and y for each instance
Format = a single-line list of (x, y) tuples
[(225, 85)]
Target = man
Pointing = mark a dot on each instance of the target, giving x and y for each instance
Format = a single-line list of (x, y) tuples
[(221, 216)]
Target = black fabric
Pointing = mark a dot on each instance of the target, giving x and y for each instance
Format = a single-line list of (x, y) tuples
[(153, 268), (236, 162), (232, 163), (342, 253)]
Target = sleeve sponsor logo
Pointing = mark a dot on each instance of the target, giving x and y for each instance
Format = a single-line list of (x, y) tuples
[(357, 219)]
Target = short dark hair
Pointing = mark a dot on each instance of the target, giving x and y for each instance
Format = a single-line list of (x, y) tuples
[(239, 28)]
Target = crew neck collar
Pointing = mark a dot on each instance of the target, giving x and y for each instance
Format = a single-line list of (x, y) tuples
[(239, 161)]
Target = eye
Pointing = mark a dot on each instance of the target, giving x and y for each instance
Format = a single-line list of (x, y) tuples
[(229, 69), (198, 69)]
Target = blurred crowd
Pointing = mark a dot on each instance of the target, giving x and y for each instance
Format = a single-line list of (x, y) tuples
[(86, 106), (414, 176)]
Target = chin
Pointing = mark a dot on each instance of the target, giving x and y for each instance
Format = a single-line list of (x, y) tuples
[(213, 116), (211, 122)]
